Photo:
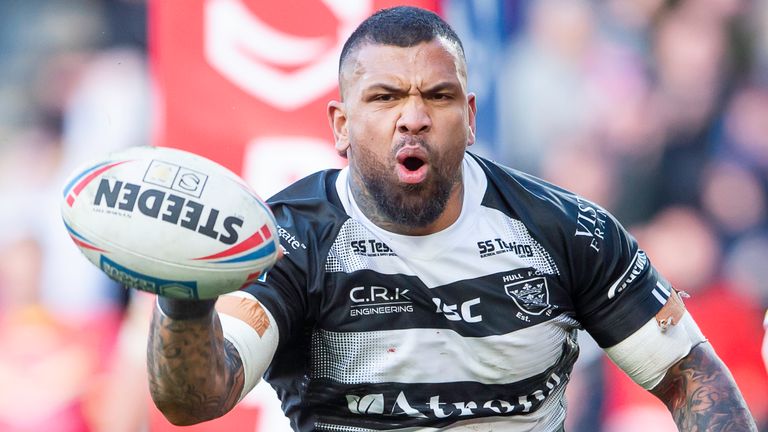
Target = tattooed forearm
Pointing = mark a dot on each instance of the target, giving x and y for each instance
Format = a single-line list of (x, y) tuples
[(702, 396), (194, 373)]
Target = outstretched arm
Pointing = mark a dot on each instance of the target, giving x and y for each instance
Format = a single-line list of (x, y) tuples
[(702, 395), (194, 373)]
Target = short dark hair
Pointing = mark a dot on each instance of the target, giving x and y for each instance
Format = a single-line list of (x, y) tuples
[(402, 26)]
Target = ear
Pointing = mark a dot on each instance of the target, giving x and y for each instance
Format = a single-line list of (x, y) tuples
[(337, 118), (472, 112)]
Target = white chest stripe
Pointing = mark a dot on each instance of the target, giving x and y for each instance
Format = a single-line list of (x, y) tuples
[(401, 355)]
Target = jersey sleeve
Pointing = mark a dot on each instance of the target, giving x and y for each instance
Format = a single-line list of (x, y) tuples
[(308, 215), (616, 288), (282, 289), (280, 292)]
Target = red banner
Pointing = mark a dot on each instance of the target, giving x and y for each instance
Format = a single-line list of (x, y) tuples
[(246, 83)]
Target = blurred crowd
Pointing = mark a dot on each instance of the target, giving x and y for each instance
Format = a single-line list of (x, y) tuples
[(73, 84), (655, 109), (658, 111)]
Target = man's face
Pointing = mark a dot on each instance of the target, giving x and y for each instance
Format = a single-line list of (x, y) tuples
[(404, 124)]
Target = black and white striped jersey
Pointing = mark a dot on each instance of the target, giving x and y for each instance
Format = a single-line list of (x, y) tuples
[(469, 326)]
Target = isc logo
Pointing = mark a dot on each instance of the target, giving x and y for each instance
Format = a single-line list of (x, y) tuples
[(456, 312)]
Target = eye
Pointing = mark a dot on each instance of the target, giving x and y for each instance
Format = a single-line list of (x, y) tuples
[(384, 97), (441, 96)]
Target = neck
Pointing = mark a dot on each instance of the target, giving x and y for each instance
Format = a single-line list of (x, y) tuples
[(367, 205)]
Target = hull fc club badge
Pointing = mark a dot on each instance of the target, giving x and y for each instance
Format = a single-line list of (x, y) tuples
[(530, 295)]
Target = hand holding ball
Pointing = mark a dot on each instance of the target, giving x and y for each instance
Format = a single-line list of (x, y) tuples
[(170, 222)]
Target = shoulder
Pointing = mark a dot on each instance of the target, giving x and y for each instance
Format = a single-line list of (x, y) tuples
[(308, 214), (320, 186), (578, 232), (520, 181), (538, 203), (313, 198)]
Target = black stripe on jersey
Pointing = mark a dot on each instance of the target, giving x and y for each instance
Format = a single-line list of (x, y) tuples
[(387, 406), (366, 300)]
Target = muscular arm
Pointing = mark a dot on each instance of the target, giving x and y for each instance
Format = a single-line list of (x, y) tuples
[(194, 373), (702, 395)]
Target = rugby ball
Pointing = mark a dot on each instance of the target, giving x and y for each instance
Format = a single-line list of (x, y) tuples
[(169, 222)]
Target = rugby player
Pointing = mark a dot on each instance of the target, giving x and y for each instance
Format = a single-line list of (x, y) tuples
[(426, 288)]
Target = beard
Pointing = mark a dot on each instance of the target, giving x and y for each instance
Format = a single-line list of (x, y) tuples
[(412, 205)]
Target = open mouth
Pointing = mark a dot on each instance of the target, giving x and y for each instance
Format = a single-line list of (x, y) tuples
[(412, 163)]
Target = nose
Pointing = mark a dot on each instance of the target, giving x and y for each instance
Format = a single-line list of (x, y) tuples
[(415, 118)]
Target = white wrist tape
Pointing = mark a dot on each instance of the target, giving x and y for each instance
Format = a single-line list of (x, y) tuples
[(255, 345), (648, 353)]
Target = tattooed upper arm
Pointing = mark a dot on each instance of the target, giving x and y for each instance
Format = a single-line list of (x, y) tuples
[(702, 395), (236, 377)]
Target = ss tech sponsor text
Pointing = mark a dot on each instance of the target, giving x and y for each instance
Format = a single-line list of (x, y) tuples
[(433, 407), (371, 247), (497, 246), (378, 300)]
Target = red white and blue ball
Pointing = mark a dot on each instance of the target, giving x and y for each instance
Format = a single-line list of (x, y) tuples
[(170, 222)]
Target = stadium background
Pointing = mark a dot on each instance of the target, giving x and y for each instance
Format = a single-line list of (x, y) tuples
[(658, 110)]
